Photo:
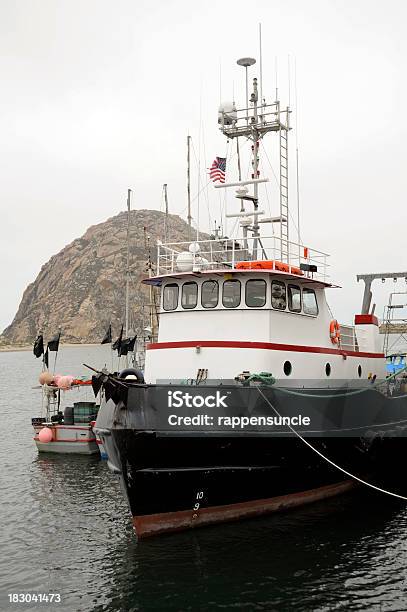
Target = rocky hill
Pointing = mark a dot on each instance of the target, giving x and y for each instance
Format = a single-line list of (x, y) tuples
[(82, 288)]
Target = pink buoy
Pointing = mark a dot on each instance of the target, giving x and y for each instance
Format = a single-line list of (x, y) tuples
[(46, 378), (46, 435), (57, 377), (64, 382)]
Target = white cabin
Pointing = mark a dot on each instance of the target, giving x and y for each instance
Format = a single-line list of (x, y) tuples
[(226, 318)]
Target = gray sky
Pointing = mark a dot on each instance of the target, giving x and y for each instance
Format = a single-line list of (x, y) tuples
[(98, 96)]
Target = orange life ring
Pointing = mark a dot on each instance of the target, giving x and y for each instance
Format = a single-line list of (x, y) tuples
[(255, 265), (268, 264), (334, 332), (281, 267)]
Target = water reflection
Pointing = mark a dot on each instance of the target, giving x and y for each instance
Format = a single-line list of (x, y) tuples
[(66, 528), (326, 555)]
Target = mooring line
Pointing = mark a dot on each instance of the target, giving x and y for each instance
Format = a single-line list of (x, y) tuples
[(338, 467)]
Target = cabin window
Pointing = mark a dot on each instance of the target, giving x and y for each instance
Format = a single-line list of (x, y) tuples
[(309, 302), (170, 297), (231, 294), (209, 294), (189, 297), (294, 298), (278, 295), (255, 293)]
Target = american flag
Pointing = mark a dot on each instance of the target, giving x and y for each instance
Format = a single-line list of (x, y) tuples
[(218, 169)]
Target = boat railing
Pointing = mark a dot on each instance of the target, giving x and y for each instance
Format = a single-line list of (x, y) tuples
[(270, 117), (226, 253)]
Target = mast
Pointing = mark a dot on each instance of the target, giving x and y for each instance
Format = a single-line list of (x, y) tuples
[(256, 233), (189, 184), (128, 265), (248, 123), (261, 66), (246, 62), (166, 213)]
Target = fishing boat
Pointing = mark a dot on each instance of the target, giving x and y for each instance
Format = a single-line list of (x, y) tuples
[(254, 398), (65, 430), (62, 428)]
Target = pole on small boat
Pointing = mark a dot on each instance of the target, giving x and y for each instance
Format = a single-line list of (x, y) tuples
[(189, 217), (127, 313), (128, 264)]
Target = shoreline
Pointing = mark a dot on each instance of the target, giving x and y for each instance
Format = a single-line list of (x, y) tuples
[(28, 347)]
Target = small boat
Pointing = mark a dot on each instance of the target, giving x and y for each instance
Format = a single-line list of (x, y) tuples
[(65, 431), (58, 429)]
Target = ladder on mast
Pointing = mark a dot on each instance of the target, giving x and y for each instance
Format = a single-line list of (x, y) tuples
[(284, 235)]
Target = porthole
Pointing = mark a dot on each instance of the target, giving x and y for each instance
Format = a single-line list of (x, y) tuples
[(328, 369), (287, 368), (360, 371)]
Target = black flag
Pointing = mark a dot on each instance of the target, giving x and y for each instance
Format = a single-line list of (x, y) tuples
[(39, 346), (117, 345), (45, 358), (127, 346), (108, 336), (132, 343), (53, 345)]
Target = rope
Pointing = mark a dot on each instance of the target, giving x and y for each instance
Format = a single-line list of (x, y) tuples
[(343, 429), (264, 377), (335, 465)]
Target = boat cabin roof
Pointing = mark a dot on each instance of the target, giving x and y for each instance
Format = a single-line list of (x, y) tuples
[(158, 280)]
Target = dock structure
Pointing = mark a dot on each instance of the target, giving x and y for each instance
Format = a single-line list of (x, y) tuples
[(368, 279), (393, 328)]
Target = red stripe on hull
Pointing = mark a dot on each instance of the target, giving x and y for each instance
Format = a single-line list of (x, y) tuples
[(154, 524), (270, 346), (68, 427), (65, 440)]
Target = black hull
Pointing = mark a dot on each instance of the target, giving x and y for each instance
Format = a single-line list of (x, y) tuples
[(178, 483), (168, 522), (177, 480)]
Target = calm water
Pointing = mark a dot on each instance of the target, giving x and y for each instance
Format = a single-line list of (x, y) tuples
[(65, 528)]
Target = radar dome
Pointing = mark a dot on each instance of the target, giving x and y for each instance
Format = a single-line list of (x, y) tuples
[(227, 113), (194, 247), (185, 261)]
